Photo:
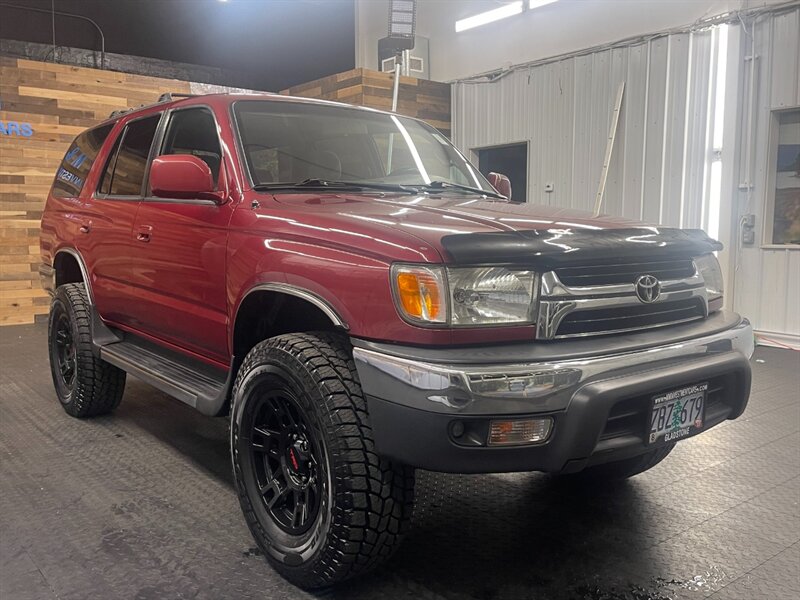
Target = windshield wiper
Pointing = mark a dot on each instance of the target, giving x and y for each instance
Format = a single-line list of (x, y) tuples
[(442, 185), (336, 184)]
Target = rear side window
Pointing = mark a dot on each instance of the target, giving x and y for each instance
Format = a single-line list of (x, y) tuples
[(124, 172), (77, 162)]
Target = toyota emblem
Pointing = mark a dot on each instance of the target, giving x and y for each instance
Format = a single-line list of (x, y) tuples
[(648, 288)]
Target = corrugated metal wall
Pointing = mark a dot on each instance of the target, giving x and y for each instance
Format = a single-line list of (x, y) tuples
[(563, 110), (662, 158), (767, 280)]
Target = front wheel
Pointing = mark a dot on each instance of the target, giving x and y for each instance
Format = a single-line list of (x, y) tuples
[(320, 503)]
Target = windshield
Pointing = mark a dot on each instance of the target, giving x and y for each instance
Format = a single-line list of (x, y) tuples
[(286, 142)]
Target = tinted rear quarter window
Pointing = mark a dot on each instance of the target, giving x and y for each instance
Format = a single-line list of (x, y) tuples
[(78, 161)]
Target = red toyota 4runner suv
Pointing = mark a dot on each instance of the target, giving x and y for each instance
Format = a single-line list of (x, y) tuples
[(361, 301)]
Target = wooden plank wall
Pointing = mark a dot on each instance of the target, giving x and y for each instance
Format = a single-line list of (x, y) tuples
[(60, 101), (428, 100)]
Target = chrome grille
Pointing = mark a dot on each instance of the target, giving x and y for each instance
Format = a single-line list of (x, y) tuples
[(624, 272), (570, 311), (628, 318)]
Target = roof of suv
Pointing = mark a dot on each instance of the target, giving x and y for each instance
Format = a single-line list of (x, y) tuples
[(229, 98)]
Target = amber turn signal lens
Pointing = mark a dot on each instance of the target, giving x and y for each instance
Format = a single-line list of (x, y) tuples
[(420, 293)]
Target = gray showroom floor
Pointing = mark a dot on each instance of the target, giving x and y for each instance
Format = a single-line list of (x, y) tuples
[(140, 505)]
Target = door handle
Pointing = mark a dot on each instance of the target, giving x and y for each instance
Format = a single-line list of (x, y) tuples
[(85, 227), (144, 234)]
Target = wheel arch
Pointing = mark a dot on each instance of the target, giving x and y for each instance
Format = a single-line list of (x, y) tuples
[(271, 309), (70, 267)]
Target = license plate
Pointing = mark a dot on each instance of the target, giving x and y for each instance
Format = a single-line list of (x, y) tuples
[(678, 414)]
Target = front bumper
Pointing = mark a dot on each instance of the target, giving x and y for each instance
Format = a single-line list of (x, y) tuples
[(597, 391)]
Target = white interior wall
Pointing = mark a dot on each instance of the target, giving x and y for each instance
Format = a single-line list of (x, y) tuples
[(551, 30), (765, 279), (661, 168), (660, 165)]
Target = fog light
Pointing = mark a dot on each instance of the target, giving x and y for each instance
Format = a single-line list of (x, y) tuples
[(515, 433)]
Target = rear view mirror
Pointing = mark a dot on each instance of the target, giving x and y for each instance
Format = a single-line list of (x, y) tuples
[(182, 176), (501, 183)]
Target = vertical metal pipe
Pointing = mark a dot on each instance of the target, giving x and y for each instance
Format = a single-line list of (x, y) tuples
[(750, 116), (53, 22), (395, 96), (396, 88), (405, 65)]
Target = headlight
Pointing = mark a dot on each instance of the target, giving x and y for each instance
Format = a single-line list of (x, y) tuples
[(708, 266), (490, 295), (464, 296)]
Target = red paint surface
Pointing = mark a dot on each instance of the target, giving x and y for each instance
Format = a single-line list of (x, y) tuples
[(183, 286), (171, 175)]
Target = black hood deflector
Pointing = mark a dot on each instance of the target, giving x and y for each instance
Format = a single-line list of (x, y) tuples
[(565, 246)]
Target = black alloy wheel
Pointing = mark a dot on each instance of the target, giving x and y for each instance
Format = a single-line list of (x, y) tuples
[(286, 461), (64, 351), (321, 503), (86, 385)]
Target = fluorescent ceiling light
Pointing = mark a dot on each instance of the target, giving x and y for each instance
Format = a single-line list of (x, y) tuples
[(508, 10), (537, 3)]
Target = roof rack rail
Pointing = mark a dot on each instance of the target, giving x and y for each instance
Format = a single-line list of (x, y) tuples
[(170, 96), (167, 97), (118, 113)]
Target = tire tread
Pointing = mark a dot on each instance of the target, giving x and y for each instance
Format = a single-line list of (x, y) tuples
[(99, 386), (373, 498)]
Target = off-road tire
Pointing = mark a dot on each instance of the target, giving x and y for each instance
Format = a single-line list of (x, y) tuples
[(97, 386), (623, 469), (367, 500)]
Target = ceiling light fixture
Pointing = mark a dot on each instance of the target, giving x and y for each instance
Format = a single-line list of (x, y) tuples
[(402, 19), (508, 10)]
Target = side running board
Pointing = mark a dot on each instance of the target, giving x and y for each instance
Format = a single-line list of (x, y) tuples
[(200, 386)]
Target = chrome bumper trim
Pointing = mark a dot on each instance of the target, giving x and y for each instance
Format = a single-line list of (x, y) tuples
[(544, 386)]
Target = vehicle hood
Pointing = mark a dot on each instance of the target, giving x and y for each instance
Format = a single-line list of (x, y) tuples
[(466, 229)]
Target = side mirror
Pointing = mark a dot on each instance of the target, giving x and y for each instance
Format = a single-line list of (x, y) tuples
[(501, 183), (182, 176)]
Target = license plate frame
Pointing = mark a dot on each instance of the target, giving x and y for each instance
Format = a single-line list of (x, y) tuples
[(665, 424)]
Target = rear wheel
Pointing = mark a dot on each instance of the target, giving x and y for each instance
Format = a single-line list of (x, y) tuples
[(86, 385), (320, 503)]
